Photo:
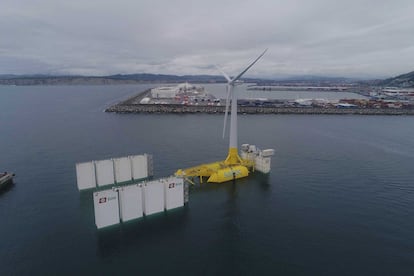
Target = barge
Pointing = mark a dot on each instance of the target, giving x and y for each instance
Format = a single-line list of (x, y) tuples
[(6, 179)]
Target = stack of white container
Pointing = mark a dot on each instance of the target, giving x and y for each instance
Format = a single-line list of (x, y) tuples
[(128, 201), (134, 201), (260, 158), (110, 171)]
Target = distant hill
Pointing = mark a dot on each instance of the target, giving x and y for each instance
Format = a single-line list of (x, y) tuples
[(113, 79), (405, 80)]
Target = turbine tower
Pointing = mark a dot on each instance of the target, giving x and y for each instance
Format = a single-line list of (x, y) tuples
[(233, 157)]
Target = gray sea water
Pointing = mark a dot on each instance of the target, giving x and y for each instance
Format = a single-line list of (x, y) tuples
[(338, 201)]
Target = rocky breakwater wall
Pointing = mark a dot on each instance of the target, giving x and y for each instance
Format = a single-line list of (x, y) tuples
[(182, 109)]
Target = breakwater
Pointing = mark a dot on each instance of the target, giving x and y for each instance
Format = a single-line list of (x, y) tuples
[(132, 105), (175, 108)]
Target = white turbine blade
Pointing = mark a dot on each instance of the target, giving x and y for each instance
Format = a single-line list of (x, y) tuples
[(245, 70), (224, 74), (226, 113)]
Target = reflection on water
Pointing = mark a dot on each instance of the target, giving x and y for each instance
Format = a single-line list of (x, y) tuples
[(6, 188)]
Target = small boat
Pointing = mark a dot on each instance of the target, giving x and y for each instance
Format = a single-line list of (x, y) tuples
[(6, 179)]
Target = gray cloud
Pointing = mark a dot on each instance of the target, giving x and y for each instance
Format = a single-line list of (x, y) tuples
[(363, 38)]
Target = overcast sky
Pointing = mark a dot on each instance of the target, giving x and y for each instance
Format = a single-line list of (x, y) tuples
[(352, 38)]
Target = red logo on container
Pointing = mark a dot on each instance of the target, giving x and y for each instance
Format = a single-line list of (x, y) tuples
[(102, 200)]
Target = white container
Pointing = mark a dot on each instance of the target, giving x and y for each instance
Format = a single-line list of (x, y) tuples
[(268, 152), (85, 175), (105, 172), (245, 147), (139, 166), (262, 164), (131, 205), (123, 170), (252, 148), (153, 197), (174, 192), (106, 208)]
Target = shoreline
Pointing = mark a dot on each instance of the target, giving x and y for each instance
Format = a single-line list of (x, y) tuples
[(132, 105), (180, 109)]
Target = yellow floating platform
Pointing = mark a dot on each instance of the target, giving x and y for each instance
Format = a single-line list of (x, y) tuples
[(219, 172)]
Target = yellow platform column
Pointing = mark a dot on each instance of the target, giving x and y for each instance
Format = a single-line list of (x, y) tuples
[(233, 157)]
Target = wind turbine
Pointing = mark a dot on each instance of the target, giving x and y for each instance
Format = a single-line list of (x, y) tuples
[(233, 167), (233, 157)]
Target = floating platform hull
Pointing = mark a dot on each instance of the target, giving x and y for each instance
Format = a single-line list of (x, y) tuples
[(217, 172), (228, 174)]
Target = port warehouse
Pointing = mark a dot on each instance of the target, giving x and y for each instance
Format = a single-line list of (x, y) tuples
[(123, 191)]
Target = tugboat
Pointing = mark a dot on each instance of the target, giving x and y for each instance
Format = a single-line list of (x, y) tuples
[(6, 179)]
